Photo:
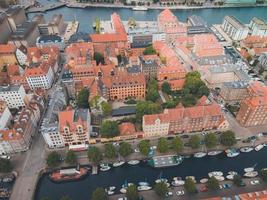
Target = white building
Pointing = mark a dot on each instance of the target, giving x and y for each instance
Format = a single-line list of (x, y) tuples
[(155, 125), (234, 28), (258, 27), (52, 137), (21, 55), (13, 95), (5, 117), (40, 77)]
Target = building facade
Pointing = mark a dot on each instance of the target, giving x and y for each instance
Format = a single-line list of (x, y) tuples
[(258, 27), (13, 95)]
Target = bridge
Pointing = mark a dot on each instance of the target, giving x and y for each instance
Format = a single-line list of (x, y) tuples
[(46, 7)]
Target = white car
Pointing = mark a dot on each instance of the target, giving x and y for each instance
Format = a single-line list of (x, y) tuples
[(180, 193), (255, 182), (5, 157)]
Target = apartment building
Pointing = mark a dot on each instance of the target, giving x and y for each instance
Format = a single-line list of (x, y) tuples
[(234, 92), (13, 95), (5, 115), (253, 109), (234, 28), (258, 26), (150, 65), (75, 126)]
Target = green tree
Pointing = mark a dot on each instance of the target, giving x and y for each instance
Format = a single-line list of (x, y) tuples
[(132, 193), (53, 159), (82, 99), (237, 180), (71, 158), (165, 87), (125, 149), (99, 194), (163, 145), (152, 91), (144, 147), (263, 174), (109, 129), (161, 189), (177, 144), (210, 140), (170, 104), (188, 100), (194, 142), (146, 108), (149, 51), (94, 155), (213, 184), (94, 102), (99, 58), (190, 185), (110, 151), (106, 108), (5, 165), (227, 138)]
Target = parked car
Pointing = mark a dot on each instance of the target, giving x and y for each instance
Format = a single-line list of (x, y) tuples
[(180, 193), (255, 182), (5, 157)]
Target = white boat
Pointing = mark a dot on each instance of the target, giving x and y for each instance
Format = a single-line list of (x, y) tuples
[(123, 190), (230, 177), (200, 154), (117, 164), (232, 173), (246, 149), (177, 183), (259, 147), (177, 178), (215, 173), (249, 169), (251, 174), (105, 168), (110, 192), (143, 183), (214, 153), (133, 162), (144, 188), (104, 165), (164, 180), (219, 178), (111, 188), (232, 154), (140, 8), (203, 180)]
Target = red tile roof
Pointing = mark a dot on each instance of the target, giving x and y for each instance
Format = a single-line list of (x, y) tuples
[(7, 48), (127, 128)]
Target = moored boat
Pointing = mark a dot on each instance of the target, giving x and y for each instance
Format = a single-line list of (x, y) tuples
[(214, 153), (165, 161), (143, 183), (160, 180), (117, 164), (144, 188), (68, 174), (203, 180), (251, 174), (200, 155), (215, 173), (219, 178), (259, 147), (232, 173), (104, 167), (133, 162), (249, 169), (176, 183), (246, 149), (230, 177), (232, 154)]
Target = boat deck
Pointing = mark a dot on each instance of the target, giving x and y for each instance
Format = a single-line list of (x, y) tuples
[(164, 161)]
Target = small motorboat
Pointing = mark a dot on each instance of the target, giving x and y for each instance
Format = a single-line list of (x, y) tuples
[(177, 183), (231, 150), (160, 180), (259, 147), (177, 178), (214, 153), (232, 173), (215, 173), (249, 169), (232, 154), (203, 180), (105, 168), (144, 188), (143, 183), (230, 177), (133, 162), (246, 149), (200, 155), (117, 164), (251, 174), (110, 192), (123, 190), (219, 178)]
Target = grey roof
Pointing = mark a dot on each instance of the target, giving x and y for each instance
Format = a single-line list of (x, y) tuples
[(9, 88), (213, 60), (127, 110), (236, 85), (148, 63), (49, 38), (134, 69), (197, 29), (195, 20)]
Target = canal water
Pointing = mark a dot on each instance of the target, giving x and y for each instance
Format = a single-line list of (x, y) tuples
[(87, 16), (198, 167)]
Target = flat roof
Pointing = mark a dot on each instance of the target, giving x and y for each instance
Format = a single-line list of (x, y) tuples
[(126, 110), (195, 20)]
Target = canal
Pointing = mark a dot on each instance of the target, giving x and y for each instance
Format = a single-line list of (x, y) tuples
[(198, 167), (87, 16)]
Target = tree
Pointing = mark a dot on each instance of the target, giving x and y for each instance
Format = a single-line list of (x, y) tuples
[(213, 184), (210, 140), (109, 129), (144, 147), (152, 91), (99, 58), (188, 100), (161, 189), (237, 180), (163, 145), (82, 99), (99, 194), (5, 165), (190, 185), (194, 142), (132, 193), (165, 87), (53, 159), (177, 144), (146, 108), (170, 104), (94, 155), (149, 51), (263, 174), (227, 138), (125, 149), (71, 158), (110, 151), (106, 108)]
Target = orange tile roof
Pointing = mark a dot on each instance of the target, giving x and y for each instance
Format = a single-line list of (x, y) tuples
[(13, 70), (167, 16), (254, 40), (41, 70), (7, 48), (176, 84), (259, 195), (151, 119), (127, 128)]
